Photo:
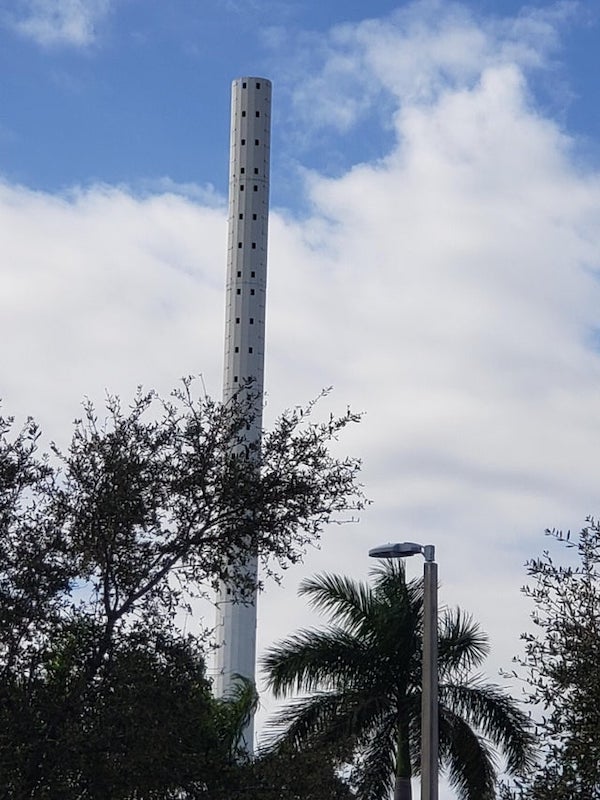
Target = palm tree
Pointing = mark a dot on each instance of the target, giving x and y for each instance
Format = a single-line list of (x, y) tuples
[(361, 677), (233, 714)]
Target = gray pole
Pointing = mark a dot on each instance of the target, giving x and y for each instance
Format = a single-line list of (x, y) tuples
[(429, 698), (429, 709)]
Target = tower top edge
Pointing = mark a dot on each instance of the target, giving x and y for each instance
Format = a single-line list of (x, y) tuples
[(251, 78)]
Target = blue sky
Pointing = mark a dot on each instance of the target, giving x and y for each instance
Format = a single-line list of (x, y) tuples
[(134, 91), (434, 250)]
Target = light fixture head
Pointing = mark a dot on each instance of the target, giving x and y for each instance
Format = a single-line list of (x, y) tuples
[(397, 550), (403, 550)]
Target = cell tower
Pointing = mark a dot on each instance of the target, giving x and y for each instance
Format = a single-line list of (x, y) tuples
[(245, 334)]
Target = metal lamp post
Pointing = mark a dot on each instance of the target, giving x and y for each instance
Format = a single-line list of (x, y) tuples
[(429, 698)]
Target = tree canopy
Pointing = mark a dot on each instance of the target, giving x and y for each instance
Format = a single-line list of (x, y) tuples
[(103, 542), (560, 668)]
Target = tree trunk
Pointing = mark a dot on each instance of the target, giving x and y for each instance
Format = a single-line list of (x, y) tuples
[(402, 789), (402, 786)]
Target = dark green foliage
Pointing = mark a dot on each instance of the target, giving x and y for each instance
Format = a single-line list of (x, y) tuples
[(143, 725), (35, 568), (289, 775), (363, 679), (171, 489), (562, 673), (101, 545), (232, 715)]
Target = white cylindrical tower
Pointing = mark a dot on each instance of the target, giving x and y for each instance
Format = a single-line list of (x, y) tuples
[(245, 332)]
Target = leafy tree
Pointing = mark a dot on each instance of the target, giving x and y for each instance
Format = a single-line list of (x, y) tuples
[(153, 506), (144, 727), (561, 669), (363, 679), (236, 775), (102, 544), (35, 571), (309, 775)]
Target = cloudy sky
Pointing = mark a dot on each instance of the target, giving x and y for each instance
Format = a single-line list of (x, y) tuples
[(434, 249)]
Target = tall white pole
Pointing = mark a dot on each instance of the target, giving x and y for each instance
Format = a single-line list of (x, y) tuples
[(245, 336)]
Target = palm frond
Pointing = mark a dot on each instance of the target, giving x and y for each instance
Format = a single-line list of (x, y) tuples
[(327, 718), (497, 716), (311, 660), (390, 586), (397, 620), (467, 757), (348, 601), (462, 643), (385, 569), (374, 770), (237, 709), (306, 722)]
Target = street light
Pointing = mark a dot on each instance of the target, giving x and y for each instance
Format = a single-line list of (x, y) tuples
[(429, 697)]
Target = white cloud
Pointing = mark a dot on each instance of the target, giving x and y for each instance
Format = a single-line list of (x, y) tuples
[(61, 22), (450, 290), (417, 52), (106, 290)]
